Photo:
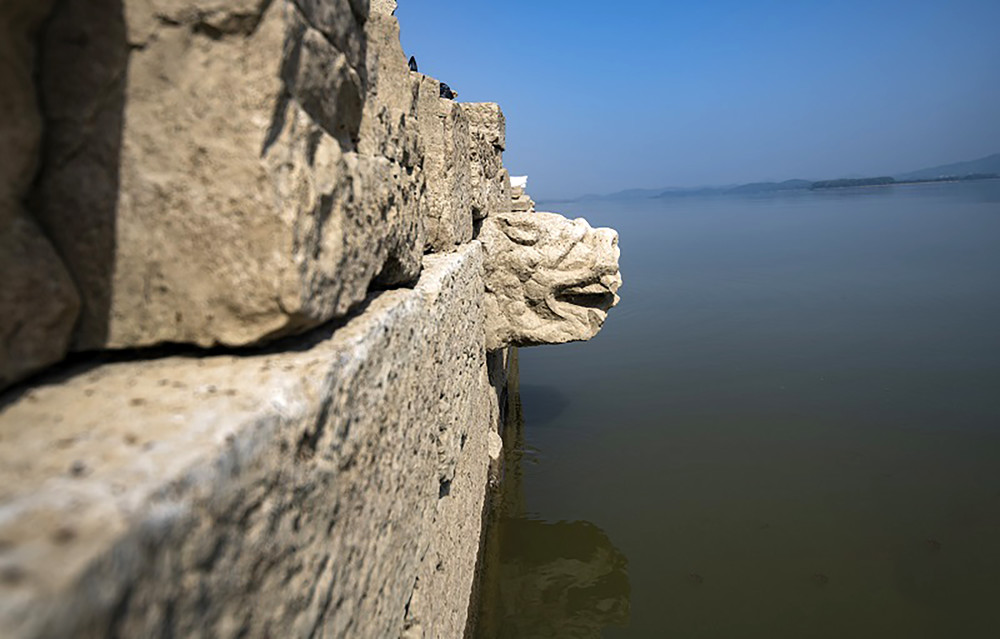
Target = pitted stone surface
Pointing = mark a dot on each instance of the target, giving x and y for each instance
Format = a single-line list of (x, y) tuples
[(487, 122), (291, 494), (206, 179), (549, 280), (489, 180), (386, 7), (389, 127), (447, 204), (521, 201)]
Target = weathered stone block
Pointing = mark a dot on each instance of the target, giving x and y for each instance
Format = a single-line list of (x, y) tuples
[(321, 79), (490, 181), (202, 179), (548, 280), (486, 121), (351, 207), (389, 126), (333, 489), (447, 205), (385, 7), (341, 21), (522, 203)]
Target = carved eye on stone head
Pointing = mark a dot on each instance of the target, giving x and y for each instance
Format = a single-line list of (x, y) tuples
[(610, 237), (523, 234)]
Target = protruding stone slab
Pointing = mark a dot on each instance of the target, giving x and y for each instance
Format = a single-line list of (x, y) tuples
[(548, 280), (389, 126), (447, 204), (490, 181), (325, 490), (487, 122), (521, 202), (205, 177)]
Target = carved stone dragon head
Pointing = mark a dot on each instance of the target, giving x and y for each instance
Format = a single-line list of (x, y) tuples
[(549, 280)]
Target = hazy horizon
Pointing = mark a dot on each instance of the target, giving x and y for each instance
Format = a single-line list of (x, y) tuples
[(670, 94)]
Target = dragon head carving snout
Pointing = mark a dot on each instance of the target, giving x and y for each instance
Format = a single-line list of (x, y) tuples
[(549, 280)]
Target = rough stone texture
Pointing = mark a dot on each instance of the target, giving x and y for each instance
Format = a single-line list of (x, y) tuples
[(385, 7), (332, 489), (495, 445), (389, 124), (38, 304), (548, 280), (447, 205), (523, 204), (489, 180), (521, 201), (487, 122), (203, 178)]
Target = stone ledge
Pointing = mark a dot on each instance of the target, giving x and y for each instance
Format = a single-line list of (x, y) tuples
[(259, 495)]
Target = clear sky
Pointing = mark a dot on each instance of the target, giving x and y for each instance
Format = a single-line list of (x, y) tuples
[(603, 96)]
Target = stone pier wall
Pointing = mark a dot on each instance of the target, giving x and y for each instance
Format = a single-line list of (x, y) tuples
[(273, 494), (252, 350)]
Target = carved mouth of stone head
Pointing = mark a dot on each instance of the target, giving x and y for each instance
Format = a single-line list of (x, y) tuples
[(594, 295)]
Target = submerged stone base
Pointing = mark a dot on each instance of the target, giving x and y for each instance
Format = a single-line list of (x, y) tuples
[(332, 487)]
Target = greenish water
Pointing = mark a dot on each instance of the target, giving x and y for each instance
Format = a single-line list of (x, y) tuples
[(790, 427)]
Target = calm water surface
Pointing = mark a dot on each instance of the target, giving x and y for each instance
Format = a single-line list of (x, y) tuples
[(790, 427)]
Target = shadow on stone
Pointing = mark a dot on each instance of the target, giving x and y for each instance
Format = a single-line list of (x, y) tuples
[(83, 62), (82, 362)]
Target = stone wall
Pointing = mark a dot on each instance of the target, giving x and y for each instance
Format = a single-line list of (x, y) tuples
[(255, 227), (266, 494)]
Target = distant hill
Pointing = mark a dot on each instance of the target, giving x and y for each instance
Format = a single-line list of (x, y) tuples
[(740, 189), (986, 167), (988, 164), (847, 183), (677, 191), (770, 187), (628, 194)]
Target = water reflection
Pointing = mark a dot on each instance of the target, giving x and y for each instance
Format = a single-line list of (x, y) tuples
[(562, 579), (544, 579), (547, 402)]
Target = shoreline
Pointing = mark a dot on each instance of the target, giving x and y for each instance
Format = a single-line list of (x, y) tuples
[(900, 183)]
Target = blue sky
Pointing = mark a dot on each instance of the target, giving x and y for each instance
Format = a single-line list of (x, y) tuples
[(602, 96)]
